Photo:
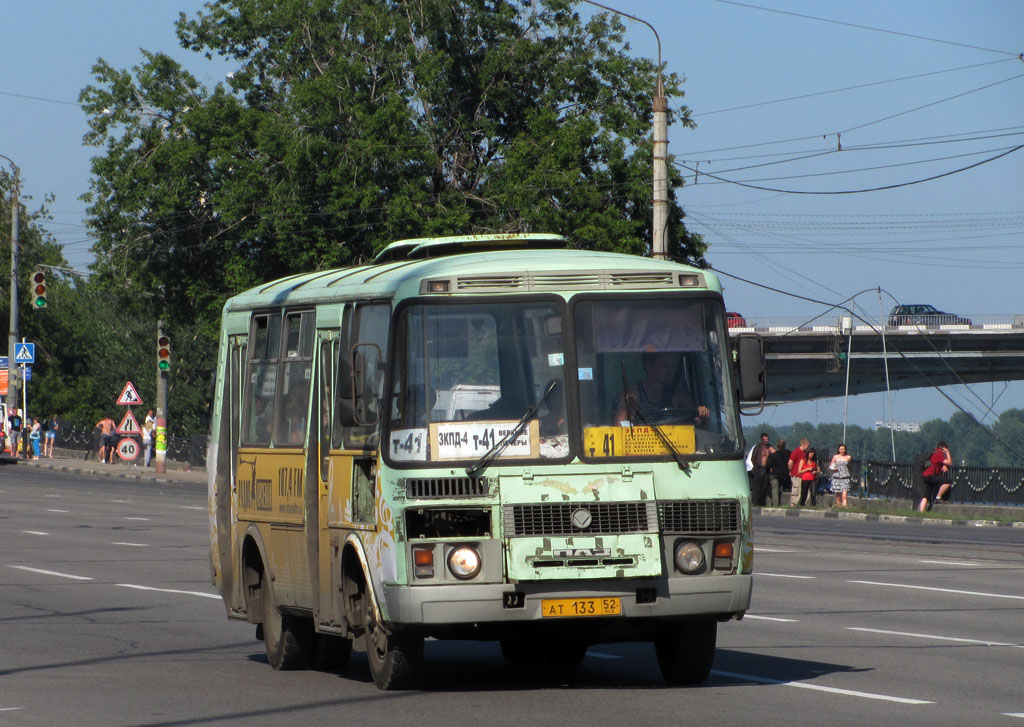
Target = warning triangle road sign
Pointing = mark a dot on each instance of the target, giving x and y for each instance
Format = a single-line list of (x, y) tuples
[(129, 424), (129, 397)]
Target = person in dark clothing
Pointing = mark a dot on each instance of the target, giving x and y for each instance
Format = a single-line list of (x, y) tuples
[(15, 422), (759, 470), (778, 472)]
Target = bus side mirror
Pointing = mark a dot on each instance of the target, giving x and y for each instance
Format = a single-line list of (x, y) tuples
[(367, 365), (750, 363)]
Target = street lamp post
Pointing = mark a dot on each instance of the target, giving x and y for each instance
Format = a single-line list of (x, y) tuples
[(12, 337), (659, 161)]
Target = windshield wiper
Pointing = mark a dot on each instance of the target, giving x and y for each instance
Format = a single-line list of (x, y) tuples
[(502, 444), (679, 457)]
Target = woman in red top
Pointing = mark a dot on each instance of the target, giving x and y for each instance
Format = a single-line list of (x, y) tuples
[(936, 476), (808, 471)]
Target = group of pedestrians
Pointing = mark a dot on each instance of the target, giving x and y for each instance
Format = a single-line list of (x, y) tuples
[(35, 437), (107, 452), (770, 467)]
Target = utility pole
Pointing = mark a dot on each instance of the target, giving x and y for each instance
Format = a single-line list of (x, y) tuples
[(659, 160), (162, 372), (12, 337)]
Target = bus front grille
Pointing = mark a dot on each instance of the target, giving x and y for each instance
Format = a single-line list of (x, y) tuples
[(566, 518), (419, 488), (700, 516)]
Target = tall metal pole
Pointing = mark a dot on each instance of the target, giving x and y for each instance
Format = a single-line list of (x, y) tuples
[(160, 461), (659, 161), (12, 336)]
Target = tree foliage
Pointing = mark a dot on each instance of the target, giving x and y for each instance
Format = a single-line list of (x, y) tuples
[(348, 124)]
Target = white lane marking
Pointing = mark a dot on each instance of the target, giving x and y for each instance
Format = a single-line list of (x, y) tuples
[(762, 549), (168, 590), (133, 545), (819, 688), (784, 575), (948, 562), (51, 573), (123, 502), (191, 507), (51, 510), (940, 590), (599, 655), (770, 618), (1005, 714), (12, 709), (933, 636), (136, 518), (34, 532)]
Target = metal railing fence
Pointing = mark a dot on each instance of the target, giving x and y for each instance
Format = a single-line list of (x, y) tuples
[(971, 485)]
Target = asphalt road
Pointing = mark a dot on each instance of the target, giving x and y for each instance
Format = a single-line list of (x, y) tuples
[(107, 617)]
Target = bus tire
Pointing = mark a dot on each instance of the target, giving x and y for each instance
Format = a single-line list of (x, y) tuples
[(394, 659), (686, 650), (288, 639)]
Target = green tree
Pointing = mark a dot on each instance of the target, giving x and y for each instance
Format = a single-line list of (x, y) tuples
[(349, 124)]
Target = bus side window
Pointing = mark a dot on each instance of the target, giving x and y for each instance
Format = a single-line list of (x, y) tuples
[(370, 325), (261, 383), (297, 363)]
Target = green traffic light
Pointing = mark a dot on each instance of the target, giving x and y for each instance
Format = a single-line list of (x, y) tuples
[(40, 302), (163, 365)]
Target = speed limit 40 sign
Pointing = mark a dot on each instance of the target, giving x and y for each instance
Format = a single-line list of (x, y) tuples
[(127, 449)]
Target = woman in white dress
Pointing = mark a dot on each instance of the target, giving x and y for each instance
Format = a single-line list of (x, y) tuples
[(840, 470)]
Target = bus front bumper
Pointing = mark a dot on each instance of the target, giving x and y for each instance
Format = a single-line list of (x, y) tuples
[(716, 596)]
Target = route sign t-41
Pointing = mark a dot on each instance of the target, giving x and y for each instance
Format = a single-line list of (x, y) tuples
[(129, 397)]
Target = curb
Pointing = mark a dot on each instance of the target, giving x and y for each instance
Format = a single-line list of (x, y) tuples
[(194, 476), (868, 517)]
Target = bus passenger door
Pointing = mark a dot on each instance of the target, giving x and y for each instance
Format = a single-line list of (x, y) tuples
[(328, 546)]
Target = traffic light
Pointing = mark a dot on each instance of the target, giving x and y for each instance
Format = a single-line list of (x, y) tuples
[(163, 353), (38, 289)]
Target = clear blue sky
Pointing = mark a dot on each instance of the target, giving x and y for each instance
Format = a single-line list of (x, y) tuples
[(908, 89)]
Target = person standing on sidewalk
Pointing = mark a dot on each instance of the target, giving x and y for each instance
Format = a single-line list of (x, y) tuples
[(778, 472), (839, 468), (51, 428), (759, 470), (35, 436), (108, 440), (795, 458), (809, 472), (147, 439), (14, 421)]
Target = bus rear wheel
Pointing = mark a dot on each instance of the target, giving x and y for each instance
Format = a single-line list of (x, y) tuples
[(288, 639), (686, 650), (394, 658)]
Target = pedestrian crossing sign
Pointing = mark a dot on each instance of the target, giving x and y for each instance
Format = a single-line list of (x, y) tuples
[(129, 424), (129, 397), (24, 352)]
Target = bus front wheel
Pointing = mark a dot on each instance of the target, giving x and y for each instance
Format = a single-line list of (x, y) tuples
[(288, 639), (686, 650)]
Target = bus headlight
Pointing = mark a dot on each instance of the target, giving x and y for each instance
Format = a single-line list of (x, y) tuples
[(464, 562), (689, 557)]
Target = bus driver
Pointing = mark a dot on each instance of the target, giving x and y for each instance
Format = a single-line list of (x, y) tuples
[(657, 395)]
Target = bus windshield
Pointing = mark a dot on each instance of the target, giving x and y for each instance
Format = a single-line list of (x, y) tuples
[(466, 373), (652, 369)]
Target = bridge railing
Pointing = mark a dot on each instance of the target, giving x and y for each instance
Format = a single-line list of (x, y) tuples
[(190, 451), (971, 485), (844, 323)]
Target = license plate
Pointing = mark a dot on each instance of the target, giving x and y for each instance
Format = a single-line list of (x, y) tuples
[(575, 607)]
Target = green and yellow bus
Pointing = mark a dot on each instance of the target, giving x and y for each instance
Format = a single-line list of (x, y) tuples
[(483, 437)]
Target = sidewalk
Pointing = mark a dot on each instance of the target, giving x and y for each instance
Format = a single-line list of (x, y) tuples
[(175, 470), (968, 515)]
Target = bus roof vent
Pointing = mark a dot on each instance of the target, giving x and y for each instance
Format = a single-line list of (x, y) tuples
[(428, 247), (562, 280), (492, 282)]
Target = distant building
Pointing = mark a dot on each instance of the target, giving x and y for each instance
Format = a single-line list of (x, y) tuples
[(900, 426)]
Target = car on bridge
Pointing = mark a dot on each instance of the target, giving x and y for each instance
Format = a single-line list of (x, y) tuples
[(735, 320), (922, 314)]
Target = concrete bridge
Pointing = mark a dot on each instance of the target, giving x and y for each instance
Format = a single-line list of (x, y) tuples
[(813, 360)]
